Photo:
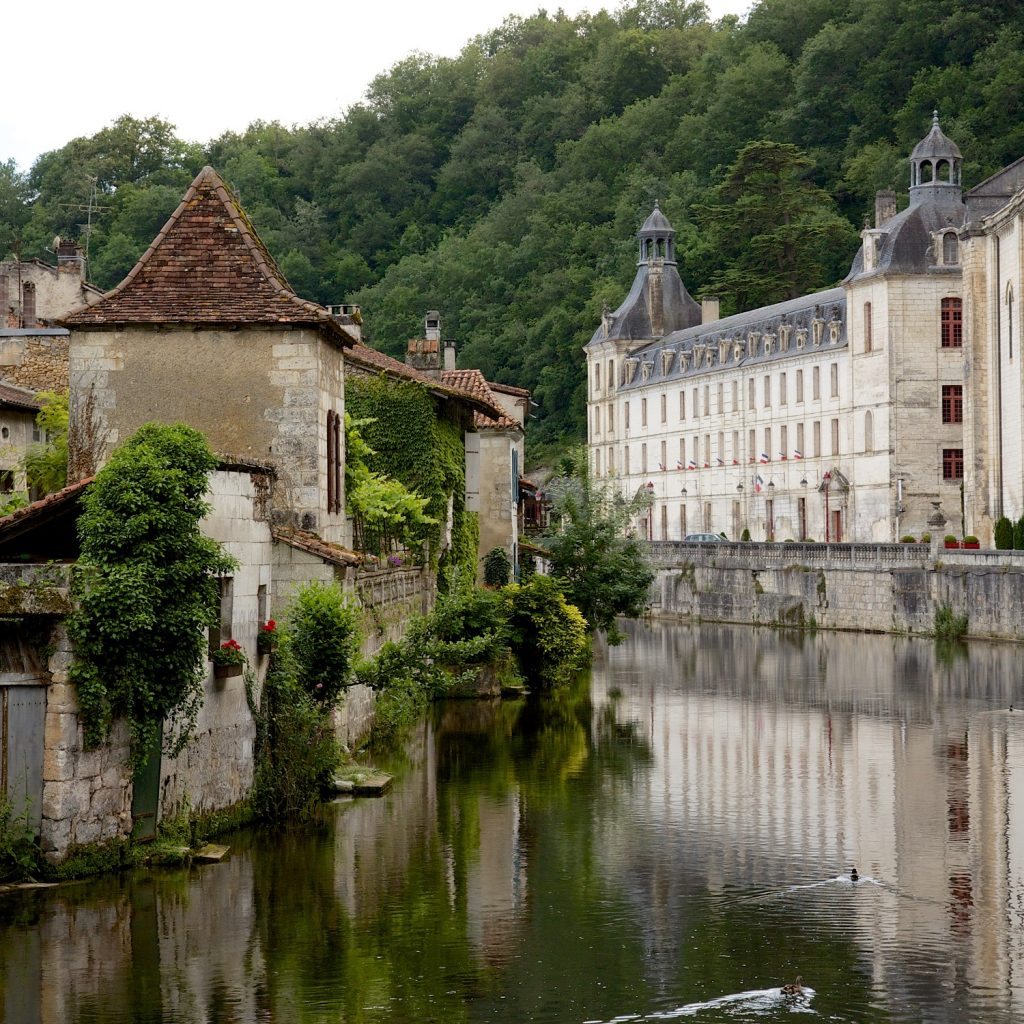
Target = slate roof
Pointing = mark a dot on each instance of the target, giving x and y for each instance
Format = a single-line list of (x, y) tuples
[(475, 383), (369, 358), (18, 398), (206, 266)]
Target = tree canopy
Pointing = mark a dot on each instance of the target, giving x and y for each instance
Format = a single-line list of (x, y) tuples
[(503, 186)]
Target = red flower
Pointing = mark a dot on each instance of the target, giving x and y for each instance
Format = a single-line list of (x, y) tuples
[(269, 626)]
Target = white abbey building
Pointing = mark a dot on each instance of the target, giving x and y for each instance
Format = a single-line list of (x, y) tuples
[(835, 416)]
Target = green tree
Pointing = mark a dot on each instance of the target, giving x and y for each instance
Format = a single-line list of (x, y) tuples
[(46, 463), (776, 232), (601, 570)]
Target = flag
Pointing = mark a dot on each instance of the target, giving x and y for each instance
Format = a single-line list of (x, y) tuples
[(758, 483), (720, 460), (782, 456), (691, 464), (765, 457), (679, 464), (661, 466), (797, 454)]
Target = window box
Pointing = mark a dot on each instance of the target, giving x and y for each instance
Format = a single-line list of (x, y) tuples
[(226, 671)]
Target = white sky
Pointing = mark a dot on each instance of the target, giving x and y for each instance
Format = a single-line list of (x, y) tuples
[(72, 68)]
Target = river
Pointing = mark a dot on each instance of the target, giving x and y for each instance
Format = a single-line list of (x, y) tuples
[(671, 839)]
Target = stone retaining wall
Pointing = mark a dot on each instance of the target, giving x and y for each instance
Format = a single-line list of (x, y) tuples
[(874, 587)]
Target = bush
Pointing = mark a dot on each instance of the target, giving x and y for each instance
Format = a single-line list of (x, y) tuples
[(19, 854), (926, 538), (949, 626), (970, 539), (497, 568), (324, 632), (1004, 534), (1018, 534), (908, 539), (950, 539), (549, 635)]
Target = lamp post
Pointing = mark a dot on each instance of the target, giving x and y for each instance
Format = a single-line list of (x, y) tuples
[(650, 510), (771, 510)]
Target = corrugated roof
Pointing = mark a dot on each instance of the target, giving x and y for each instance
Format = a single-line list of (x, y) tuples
[(207, 265)]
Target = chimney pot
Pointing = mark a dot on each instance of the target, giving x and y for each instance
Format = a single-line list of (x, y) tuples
[(885, 206), (710, 309)]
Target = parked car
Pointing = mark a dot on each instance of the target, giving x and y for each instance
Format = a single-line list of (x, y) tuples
[(710, 538)]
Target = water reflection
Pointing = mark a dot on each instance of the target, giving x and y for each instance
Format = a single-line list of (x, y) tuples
[(673, 837)]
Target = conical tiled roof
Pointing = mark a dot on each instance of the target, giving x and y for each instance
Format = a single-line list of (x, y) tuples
[(207, 266)]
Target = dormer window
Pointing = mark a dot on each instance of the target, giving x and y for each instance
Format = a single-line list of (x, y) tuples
[(801, 337), (817, 330), (667, 358), (753, 337), (645, 371), (784, 332), (631, 365), (769, 344), (950, 249)]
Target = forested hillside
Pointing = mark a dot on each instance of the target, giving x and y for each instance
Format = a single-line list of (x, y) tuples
[(504, 186)]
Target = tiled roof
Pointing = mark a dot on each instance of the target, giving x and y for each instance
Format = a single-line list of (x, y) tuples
[(207, 265), (44, 506), (483, 404), (474, 383), (20, 398), (507, 389), (313, 545)]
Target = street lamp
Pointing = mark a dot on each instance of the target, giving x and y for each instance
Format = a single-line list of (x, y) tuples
[(826, 483), (650, 510)]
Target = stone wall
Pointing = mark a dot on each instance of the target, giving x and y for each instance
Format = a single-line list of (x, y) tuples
[(35, 359), (865, 587)]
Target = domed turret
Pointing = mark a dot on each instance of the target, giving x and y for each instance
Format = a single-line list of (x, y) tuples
[(657, 238), (935, 165)]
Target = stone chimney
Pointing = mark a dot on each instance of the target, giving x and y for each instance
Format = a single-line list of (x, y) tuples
[(449, 355), (710, 309), (432, 326), (885, 206), (70, 256)]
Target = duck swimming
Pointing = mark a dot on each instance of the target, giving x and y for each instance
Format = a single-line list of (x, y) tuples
[(794, 989), (854, 877)]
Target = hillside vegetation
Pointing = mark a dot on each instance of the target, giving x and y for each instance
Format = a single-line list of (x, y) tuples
[(504, 186)]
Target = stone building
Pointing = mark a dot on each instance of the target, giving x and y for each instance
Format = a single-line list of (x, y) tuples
[(33, 293), (834, 416), (18, 430)]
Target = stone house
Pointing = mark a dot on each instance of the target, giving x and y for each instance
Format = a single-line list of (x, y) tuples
[(18, 430), (833, 416), (34, 293)]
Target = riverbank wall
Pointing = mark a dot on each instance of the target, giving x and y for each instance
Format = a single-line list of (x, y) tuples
[(884, 588)]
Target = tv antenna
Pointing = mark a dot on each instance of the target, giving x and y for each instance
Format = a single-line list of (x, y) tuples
[(88, 208)]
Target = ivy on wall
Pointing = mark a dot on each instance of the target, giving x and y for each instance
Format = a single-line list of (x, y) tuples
[(146, 586), (412, 443)]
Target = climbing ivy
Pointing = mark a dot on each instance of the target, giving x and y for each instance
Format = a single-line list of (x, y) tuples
[(146, 588), (412, 443)]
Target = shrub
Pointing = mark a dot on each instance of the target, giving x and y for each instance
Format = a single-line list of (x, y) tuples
[(497, 568), (1004, 534), (549, 635), (324, 632), (948, 625), (745, 535), (949, 539), (926, 538), (908, 539), (19, 854), (1018, 534), (970, 539)]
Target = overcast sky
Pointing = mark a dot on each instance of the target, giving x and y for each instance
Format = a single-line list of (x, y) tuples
[(72, 68)]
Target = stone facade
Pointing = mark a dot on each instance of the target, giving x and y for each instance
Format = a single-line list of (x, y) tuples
[(33, 292), (823, 417), (35, 358)]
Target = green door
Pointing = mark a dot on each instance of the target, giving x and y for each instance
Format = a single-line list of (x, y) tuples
[(146, 795)]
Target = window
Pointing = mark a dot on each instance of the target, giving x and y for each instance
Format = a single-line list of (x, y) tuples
[(834, 373), (800, 439), (610, 460), (750, 394), (222, 631), (611, 374), (952, 323), (867, 326), (664, 408), (334, 459), (609, 418), (664, 456), (707, 449), (664, 522), (696, 450), (721, 447), (595, 429), (625, 415), (952, 463), (735, 446), (1009, 317), (767, 451), (707, 400), (735, 396), (597, 462), (643, 412), (694, 407), (6, 480), (784, 442), (952, 403), (816, 383), (28, 305), (751, 446), (835, 437), (950, 248), (682, 405), (597, 378), (721, 398), (643, 458), (817, 438), (682, 453), (799, 386), (783, 396), (767, 392), (869, 433)]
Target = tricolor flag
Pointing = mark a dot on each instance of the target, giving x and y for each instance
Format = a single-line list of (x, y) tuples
[(691, 464), (661, 467), (782, 456), (797, 454), (765, 457), (758, 483), (679, 464)]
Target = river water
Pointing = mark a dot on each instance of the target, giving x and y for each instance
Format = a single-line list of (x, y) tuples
[(672, 839)]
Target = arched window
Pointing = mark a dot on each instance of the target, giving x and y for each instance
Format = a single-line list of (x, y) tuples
[(869, 433), (867, 327), (28, 305), (950, 248), (927, 171), (943, 170), (952, 323)]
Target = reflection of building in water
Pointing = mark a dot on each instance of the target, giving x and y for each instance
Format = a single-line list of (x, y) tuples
[(783, 762)]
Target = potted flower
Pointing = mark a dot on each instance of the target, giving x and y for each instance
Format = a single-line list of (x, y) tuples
[(950, 541), (971, 543), (267, 637), (228, 659)]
